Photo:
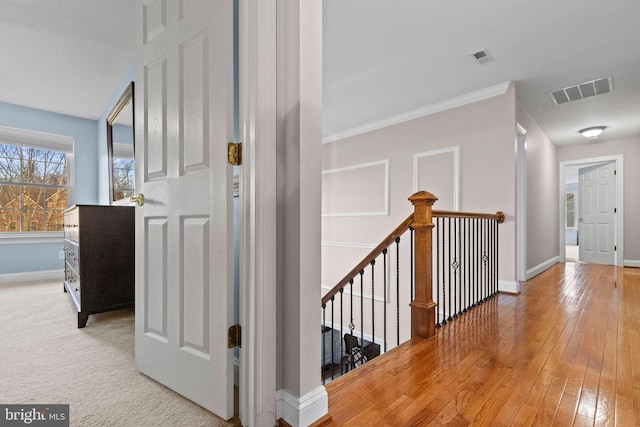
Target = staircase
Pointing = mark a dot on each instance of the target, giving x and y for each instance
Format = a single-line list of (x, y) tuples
[(388, 298)]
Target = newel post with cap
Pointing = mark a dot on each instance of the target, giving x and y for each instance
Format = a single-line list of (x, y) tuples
[(423, 309)]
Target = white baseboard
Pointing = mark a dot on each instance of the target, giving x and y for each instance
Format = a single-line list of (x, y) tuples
[(301, 412), (631, 263), (509, 286), (32, 276), (542, 267)]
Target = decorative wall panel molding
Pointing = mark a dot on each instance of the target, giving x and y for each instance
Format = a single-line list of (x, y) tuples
[(357, 190), (433, 179)]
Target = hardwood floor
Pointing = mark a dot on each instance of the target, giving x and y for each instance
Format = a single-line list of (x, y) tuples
[(566, 351)]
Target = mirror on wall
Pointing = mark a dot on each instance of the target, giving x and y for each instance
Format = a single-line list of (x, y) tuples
[(120, 149)]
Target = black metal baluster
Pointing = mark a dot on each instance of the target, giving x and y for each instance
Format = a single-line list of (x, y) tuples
[(341, 335), (474, 267), (485, 259), (470, 261), (352, 326), (476, 257), (479, 261), (444, 273), (373, 301), (465, 269), (437, 281), (397, 290), (481, 240), (460, 269), (333, 364), (324, 323), (449, 263), (491, 259), (384, 291), (471, 264), (412, 261), (488, 251), (497, 258), (454, 266), (361, 308)]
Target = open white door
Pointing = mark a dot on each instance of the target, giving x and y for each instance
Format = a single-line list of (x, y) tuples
[(184, 242), (596, 224)]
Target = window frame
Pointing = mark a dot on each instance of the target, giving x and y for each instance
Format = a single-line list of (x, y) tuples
[(43, 141)]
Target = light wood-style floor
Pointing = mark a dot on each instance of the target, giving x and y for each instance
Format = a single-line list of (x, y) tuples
[(564, 352)]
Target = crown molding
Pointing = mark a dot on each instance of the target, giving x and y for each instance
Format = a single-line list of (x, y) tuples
[(458, 101)]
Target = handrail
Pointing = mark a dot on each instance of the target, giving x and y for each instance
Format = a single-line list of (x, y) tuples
[(370, 257), (404, 226), (498, 216)]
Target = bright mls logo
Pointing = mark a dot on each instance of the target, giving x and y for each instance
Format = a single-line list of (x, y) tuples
[(34, 415)]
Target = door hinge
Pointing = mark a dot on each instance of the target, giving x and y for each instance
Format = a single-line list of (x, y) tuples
[(234, 153), (234, 338), (615, 172), (615, 210), (615, 248)]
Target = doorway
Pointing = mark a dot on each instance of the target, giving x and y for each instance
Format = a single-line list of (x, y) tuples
[(585, 236)]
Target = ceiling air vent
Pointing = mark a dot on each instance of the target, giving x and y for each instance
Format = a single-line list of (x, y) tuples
[(482, 56), (582, 90)]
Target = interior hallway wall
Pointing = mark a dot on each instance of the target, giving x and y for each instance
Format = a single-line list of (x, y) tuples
[(542, 193), (358, 211)]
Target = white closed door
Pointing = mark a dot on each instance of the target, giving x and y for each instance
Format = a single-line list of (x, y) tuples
[(596, 221), (184, 241)]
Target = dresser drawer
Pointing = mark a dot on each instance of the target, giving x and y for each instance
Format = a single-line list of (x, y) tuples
[(72, 255), (72, 225), (72, 280)]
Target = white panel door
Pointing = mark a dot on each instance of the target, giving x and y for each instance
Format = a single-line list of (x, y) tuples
[(596, 222), (184, 228)]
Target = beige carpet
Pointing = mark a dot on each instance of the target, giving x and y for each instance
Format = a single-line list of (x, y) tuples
[(46, 359)]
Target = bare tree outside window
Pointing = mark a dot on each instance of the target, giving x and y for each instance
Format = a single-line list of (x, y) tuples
[(123, 178), (570, 210), (33, 189)]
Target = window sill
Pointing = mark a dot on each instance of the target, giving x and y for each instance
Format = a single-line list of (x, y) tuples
[(31, 238)]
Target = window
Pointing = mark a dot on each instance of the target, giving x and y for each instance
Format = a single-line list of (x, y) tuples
[(34, 181), (571, 210)]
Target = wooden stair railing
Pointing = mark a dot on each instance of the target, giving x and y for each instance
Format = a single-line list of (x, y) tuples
[(375, 252), (423, 308)]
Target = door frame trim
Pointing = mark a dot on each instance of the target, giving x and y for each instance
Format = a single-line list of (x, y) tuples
[(619, 217), (521, 203), (258, 186)]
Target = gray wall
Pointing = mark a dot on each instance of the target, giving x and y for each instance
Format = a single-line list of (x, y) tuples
[(542, 193)]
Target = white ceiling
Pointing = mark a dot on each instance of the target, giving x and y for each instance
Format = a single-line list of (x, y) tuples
[(382, 58), (65, 56)]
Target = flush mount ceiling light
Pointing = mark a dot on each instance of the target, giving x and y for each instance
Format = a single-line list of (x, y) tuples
[(592, 132)]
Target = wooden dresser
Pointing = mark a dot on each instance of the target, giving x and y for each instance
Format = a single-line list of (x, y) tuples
[(99, 247)]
